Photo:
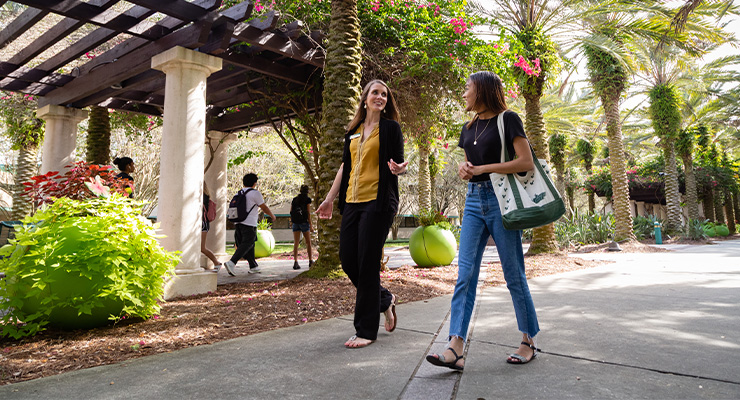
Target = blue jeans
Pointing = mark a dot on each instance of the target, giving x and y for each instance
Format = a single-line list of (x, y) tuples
[(482, 219)]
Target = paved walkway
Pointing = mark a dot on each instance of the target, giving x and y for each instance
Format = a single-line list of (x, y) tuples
[(648, 326)]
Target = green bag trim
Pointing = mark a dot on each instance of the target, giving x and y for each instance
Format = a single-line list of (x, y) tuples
[(525, 218)]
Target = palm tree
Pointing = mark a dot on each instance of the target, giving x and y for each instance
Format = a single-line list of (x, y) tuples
[(98, 136), (25, 132), (685, 150), (342, 71), (586, 152), (533, 23), (614, 36)]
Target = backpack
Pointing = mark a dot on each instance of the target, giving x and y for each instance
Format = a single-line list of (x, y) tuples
[(211, 211), (237, 211), (297, 213)]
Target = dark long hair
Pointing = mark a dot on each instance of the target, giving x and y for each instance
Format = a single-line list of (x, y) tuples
[(489, 92), (390, 111), (122, 162)]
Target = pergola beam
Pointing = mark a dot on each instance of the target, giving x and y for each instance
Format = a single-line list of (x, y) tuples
[(20, 25), (128, 66)]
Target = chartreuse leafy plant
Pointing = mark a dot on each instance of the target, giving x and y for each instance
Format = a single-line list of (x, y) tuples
[(80, 264)]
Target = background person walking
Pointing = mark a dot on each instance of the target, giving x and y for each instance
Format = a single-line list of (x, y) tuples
[(367, 186), (208, 208), (479, 138), (246, 231), (300, 217)]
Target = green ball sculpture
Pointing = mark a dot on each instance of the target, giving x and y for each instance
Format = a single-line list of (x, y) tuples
[(265, 244), (66, 284), (722, 230), (80, 264), (432, 246)]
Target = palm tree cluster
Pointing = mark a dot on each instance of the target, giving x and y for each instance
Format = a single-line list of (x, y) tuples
[(633, 52)]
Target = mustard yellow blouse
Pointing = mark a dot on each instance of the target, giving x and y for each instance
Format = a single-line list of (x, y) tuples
[(365, 173)]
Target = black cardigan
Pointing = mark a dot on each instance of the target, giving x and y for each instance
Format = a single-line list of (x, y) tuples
[(391, 147)]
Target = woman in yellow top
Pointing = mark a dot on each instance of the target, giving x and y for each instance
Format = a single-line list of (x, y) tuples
[(367, 186)]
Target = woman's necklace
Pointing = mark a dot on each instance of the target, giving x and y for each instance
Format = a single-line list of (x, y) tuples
[(475, 142)]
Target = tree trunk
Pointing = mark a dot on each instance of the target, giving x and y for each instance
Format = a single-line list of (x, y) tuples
[(98, 136), (591, 201), (691, 197), (708, 205), (432, 183), (618, 168), (342, 71), (424, 183), (543, 238), (570, 193), (719, 209), (26, 167), (729, 209), (736, 204), (672, 195)]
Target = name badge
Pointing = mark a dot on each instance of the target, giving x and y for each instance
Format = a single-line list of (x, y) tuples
[(355, 136)]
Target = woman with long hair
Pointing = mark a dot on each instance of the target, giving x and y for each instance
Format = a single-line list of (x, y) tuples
[(484, 95), (367, 186), (300, 218)]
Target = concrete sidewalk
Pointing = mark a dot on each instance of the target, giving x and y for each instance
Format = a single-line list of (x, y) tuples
[(648, 326)]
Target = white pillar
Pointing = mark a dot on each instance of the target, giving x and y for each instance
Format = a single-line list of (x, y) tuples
[(641, 208), (181, 165), (217, 181), (60, 136)]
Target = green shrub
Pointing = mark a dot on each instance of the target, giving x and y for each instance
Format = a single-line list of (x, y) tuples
[(695, 230), (584, 229), (644, 227), (95, 254)]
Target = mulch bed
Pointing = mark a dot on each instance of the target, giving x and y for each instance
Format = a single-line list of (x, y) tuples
[(235, 310)]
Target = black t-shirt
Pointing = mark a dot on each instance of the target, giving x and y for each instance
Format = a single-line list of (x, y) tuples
[(488, 149)]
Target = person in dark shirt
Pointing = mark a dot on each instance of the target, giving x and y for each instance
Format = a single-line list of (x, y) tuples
[(126, 165), (300, 218), (484, 95), (367, 186)]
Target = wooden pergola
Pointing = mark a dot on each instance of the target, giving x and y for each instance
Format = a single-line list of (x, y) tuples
[(190, 62), (127, 35)]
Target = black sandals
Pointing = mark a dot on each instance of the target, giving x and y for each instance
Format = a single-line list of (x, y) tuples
[(519, 359), (439, 360)]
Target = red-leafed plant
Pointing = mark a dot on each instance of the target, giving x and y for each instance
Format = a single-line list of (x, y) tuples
[(73, 184)]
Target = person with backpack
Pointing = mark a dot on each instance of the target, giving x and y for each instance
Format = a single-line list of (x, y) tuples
[(366, 185), (300, 211), (241, 212), (209, 214)]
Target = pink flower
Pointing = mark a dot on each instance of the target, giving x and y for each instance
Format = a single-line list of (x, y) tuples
[(141, 343), (304, 320), (298, 302)]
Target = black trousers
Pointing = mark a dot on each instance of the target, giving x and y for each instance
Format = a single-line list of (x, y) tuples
[(245, 238), (361, 241)]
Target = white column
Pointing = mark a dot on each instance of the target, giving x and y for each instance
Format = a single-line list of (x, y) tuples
[(60, 136), (217, 180), (641, 208), (181, 164)]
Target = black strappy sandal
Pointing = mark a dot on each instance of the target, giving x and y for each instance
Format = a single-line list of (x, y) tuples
[(439, 360), (520, 358)]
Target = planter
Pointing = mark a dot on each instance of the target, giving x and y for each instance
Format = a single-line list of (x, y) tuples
[(432, 246), (265, 244)]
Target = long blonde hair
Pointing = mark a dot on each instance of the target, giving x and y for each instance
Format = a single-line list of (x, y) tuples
[(390, 111)]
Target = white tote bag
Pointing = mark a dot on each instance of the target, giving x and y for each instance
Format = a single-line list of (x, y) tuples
[(526, 201)]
